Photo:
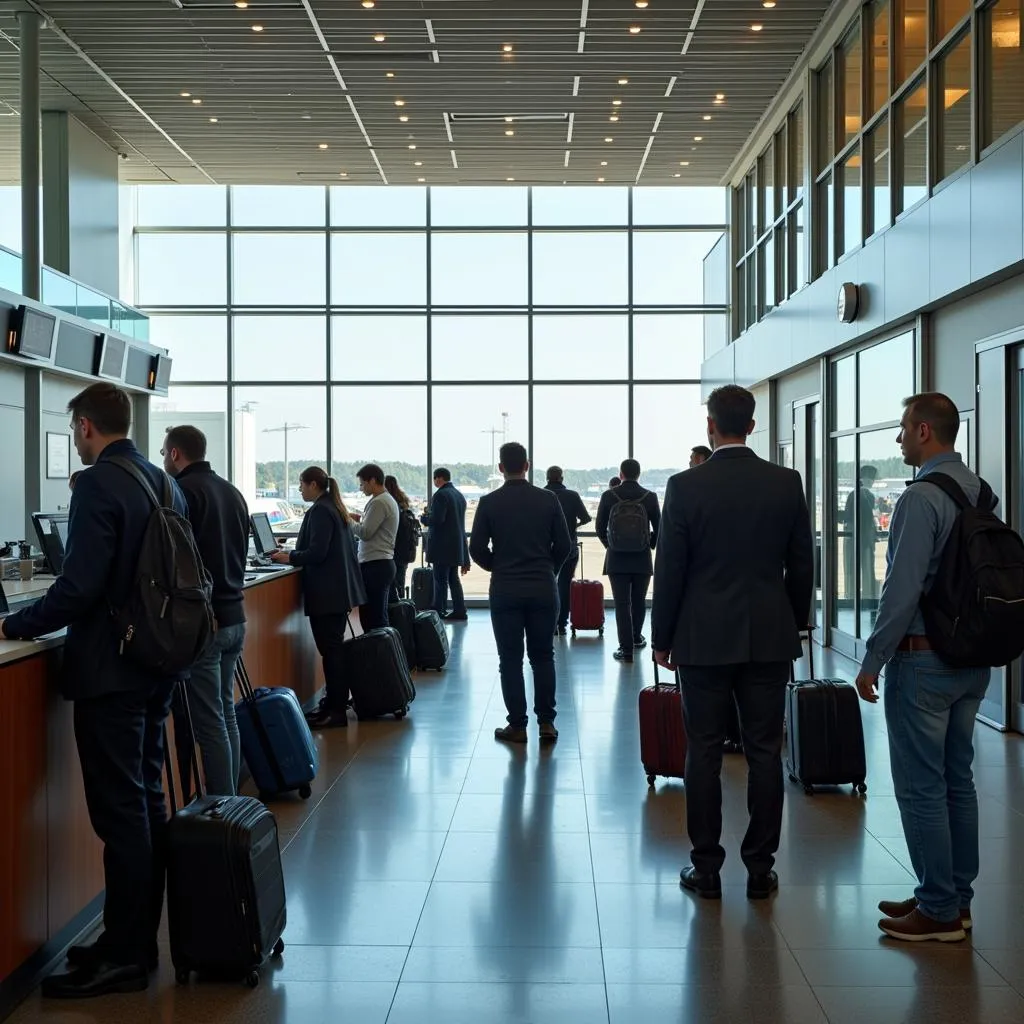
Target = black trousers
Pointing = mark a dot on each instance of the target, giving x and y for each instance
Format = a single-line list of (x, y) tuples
[(378, 577), (629, 591), (446, 577), (120, 738), (398, 586), (329, 635), (760, 694), (565, 575)]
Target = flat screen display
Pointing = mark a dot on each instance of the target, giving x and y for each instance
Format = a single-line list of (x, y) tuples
[(52, 534), (163, 373), (33, 333), (139, 368), (262, 533), (112, 353), (76, 347)]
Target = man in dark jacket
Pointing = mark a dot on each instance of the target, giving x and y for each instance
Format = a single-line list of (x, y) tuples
[(576, 515), (520, 537), (628, 563), (120, 708), (220, 524), (446, 545), (732, 589)]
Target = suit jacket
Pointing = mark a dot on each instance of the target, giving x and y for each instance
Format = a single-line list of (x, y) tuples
[(109, 515), (446, 522), (628, 562), (735, 567), (332, 583), (575, 512)]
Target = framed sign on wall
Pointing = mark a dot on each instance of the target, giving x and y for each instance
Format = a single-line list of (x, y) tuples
[(58, 456)]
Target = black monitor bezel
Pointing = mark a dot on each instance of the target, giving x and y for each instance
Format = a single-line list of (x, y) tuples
[(17, 323), (256, 537)]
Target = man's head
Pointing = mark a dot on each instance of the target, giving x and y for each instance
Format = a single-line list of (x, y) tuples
[(730, 415), (698, 454), (928, 427), (629, 470), (555, 474), (614, 482), (371, 478), (868, 474), (442, 476), (183, 446), (100, 415), (513, 463)]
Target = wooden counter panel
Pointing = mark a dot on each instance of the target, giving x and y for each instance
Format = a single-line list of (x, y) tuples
[(23, 709)]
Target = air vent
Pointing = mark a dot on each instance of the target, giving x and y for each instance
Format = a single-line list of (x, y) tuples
[(379, 56), (457, 118)]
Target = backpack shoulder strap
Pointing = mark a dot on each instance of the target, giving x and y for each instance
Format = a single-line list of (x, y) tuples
[(140, 478), (948, 486)]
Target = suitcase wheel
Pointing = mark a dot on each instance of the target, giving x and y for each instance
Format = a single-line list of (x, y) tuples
[(650, 776), (401, 713), (305, 792), (861, 787), (181, 976), (809, 790), (278, 949), (252, 979), (573, 630)]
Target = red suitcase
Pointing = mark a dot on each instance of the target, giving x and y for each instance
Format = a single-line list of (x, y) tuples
[(662, 736), (586, 604)]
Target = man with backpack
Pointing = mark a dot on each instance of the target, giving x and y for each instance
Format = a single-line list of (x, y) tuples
[(952, 606), (627, 525), (120, 667)]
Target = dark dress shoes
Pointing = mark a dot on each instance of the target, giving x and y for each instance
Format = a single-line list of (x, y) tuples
[(89, 955), (623, 656), (707, 886), (96, 979), (760, 887)]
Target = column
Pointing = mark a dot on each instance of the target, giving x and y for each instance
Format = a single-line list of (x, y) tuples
[(28, 42)]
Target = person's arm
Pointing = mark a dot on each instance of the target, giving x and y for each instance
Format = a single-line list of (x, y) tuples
[(654, 514), (561, 545), (602, 517), (374, 516), (670, 568), (800, 560), (480, 538), (318, 544), (582, 515)]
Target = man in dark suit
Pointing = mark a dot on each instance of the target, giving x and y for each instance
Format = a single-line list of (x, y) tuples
[(628, 564), (120, 708), (446, 545), (732, 586), (576, 515)]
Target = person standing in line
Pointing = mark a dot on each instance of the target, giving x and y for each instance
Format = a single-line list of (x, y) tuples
[(220, 524), (406, 539), (732, 590), (699, 455), (119, 707), (332, 585), (930, 707), (520, 537), (627, 525), (446, 545), (613, 483), (576, 515), (376, 530)]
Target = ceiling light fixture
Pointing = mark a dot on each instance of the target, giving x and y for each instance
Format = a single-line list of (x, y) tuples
[(767, 4), (323, 145), (510, 179), (343, 174), (677, 175), (616, 103), (412, 145), (641, 4), (241, 4), (613, 118), (623, 81), (369, 3), (307, 117), (421, 180), (698, 138), (684, 163), (600, 179), (403, 118), (707, 117), (257, 28), (507, 48), (509, 131), (213, 120), (719, 95), (196, 101), (604, 163), (608, 138), (417, 163), (756, 28), (389, 74), (508, 120), (399, 103), (634, 30), (186, 94), (379, 37)]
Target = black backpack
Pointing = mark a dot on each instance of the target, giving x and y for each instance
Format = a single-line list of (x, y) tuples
[(168, 620), (974, 611), (407, 539), (629, 526)]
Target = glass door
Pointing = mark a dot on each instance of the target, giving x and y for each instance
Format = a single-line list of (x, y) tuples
[(808, 463)]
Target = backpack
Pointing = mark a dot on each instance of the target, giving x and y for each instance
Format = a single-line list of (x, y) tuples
[(407, 539), (974, 611), (168, 620), (629, 526)]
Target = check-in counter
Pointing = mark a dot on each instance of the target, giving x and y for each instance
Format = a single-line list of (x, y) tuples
[(51, 865)]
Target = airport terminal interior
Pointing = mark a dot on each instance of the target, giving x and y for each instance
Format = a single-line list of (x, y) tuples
[(405, 232)]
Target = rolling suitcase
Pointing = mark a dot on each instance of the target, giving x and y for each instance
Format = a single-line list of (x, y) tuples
[(586, 603), (432, 648), (662, 736), (378, 674), (402, 616), (423, 588), (276, 742), (824, 735), (225, 887)]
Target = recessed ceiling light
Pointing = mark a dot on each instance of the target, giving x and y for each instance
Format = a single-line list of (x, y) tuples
[(756, 28), (600, 179), (257, 28), (508, 120), (323, 145), (399, 103), (768, 4), (623, 81), (403, 118), (196, 101), (684, 163), (379, 37), (604, 163), (389, 74), (613, 118), (510, 179), (718, 103), (307, 117), (213, 120), (677, 175), (343, 174), (241, 4), (641, 4), (719, 95), (698, 138), (186, 94), (507, 48), (616, 103), (608, 138), (417, 163), (421, 180), (369, 3), (707, 117), (509, 131), (412, 145), (634, 30)]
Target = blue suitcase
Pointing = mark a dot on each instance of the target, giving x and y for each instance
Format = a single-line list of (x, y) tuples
[(276, 742)]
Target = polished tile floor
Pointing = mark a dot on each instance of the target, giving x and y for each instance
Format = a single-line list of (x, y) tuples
[(438, 877)]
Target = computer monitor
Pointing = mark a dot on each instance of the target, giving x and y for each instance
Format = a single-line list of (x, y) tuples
[(263, 534), (32, 333), (112, 353), (52, 534)]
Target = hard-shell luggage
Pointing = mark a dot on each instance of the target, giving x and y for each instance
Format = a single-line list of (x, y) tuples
[(402, 616), (432, 648), (422, 588), (824, 735), (662, 736), (276, 742), (225, 887), (378, 674), (586, 603)]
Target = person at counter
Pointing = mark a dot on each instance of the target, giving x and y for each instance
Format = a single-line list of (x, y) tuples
[(120, 708), (376, 529), (220, 524), (331, 584)]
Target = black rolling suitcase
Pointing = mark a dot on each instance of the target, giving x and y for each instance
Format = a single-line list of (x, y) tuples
[(432, 648), (825, 734), (402, 616), (225, 887), (423, 588), (378, 674)]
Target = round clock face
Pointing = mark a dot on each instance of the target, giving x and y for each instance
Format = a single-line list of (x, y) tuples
[(846, 304)]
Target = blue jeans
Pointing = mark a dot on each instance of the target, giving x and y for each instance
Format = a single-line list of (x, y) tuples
[(930, 710), (512, 617), (211, 698)]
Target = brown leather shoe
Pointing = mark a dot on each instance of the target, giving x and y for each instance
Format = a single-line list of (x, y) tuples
[(510, 734), (916, 927), (892, 908)]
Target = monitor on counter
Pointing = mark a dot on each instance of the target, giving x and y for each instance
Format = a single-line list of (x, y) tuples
[(52, 534), (32, 333), (263, 534), (112, 354)]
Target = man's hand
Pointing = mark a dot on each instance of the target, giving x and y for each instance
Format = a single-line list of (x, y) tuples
[(867, 687), (466, 568), (281, 557), (663, 658)]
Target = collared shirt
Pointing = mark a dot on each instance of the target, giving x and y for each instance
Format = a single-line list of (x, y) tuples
[(723, 447), (920, 526)]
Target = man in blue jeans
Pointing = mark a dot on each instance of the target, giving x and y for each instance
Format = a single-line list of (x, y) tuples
[(220, 524), (929, 707), (520, 537)]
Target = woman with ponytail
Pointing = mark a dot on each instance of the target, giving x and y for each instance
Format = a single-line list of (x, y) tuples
[(331, 584)]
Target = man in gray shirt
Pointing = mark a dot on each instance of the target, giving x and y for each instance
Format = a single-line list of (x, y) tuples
[(376, 529), (929, 707)]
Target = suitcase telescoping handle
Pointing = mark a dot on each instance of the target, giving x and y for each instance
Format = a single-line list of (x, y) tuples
[(190, 738), (674, 685), (810, 654)]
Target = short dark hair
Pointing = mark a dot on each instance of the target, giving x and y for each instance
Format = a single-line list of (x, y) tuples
[(372, 473), (107, 406), (444, 474), (731, 408), (555, 474), (630, 469), (614, 482), (189, 440), (939, 411), (702, 450), (513, 457)]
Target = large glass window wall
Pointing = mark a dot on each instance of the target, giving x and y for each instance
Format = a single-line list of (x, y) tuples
[(422, 327)]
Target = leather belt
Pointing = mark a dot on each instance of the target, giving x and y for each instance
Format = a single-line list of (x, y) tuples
[(914, 643)]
